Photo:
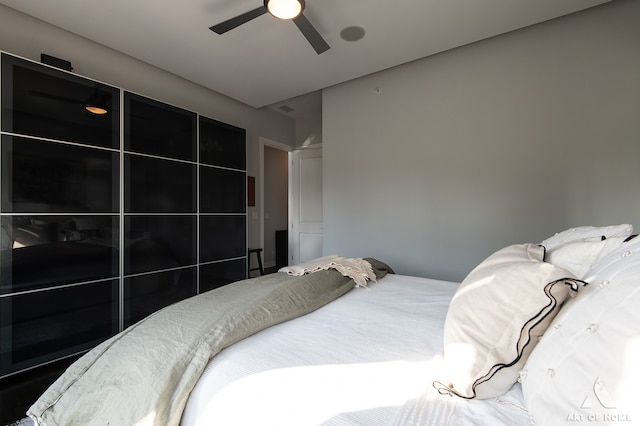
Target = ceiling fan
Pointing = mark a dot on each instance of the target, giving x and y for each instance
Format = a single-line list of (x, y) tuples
[(281, 9)]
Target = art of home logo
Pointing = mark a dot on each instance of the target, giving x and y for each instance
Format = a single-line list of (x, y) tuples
[(599, 406)]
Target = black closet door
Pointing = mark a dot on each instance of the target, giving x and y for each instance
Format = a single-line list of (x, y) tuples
[(223, 204), (106, 218), (60, 214), (160, 206)]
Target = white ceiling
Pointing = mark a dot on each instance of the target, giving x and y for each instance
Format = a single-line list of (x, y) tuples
[(267, 62)]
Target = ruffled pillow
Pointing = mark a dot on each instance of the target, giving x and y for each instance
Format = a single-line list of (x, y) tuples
[(496, 317)]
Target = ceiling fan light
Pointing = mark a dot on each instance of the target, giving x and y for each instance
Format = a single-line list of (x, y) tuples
[(284, 9)]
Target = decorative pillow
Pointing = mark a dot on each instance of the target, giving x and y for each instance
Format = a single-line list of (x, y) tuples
[(578, 257), (585, 369), (496, 317), (587, 233)]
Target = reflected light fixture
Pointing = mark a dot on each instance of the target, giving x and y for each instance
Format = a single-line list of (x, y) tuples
[(284, 9), (95, 106), (96, 109)]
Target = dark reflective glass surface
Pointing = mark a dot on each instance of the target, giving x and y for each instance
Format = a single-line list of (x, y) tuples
[(222, 190), (222, 237), (43, 251), (159, 186), (42, 326), (152, 127), (214, 275), (145, 294), (60, 211), (222, 144), (152, 243), (41, 177), (45, 102)]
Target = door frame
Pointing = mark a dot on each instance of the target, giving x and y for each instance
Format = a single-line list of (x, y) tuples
[(279, 146), (262, 142)]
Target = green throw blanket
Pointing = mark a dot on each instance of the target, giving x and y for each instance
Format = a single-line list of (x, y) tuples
[(143, 376)]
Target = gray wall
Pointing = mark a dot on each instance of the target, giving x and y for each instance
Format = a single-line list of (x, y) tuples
[(309, 129), (28, 37), (433, 165)]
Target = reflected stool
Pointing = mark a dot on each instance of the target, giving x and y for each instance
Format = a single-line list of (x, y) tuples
[(257, 251)]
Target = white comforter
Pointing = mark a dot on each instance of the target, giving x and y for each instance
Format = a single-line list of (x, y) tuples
[(364, 359)]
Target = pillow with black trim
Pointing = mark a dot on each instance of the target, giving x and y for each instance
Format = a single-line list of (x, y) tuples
[(496, 318), (587, 233)]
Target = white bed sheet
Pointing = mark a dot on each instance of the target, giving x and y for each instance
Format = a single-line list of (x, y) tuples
[(365, 359)]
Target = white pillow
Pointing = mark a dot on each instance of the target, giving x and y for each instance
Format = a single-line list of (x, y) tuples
[(586, 368), (587, 233), (496, 317), (578, 257)]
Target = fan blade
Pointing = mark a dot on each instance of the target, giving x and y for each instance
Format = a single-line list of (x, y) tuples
[(230, 24), (311, 34)]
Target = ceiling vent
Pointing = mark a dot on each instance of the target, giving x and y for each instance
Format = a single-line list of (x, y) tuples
[(286, 108)]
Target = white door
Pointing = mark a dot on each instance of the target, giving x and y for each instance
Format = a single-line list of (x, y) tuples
[(305, 239)]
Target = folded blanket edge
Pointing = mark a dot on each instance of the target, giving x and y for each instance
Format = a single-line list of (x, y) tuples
[(359, 269)]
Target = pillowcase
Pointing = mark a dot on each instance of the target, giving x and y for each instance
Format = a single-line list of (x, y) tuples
[(578, 257), (587, 233), (585, 369), (496, 317)]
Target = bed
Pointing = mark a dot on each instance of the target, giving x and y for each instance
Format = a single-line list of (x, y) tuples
[(538, 333)]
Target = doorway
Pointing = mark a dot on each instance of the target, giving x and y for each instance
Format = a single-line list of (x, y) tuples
[(274, 202), (290, 192)]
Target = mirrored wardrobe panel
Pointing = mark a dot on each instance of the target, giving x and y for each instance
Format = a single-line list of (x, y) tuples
[(41, 101), (112, 205)]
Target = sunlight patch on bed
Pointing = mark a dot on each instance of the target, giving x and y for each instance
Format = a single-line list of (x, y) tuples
[(313, 394)]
